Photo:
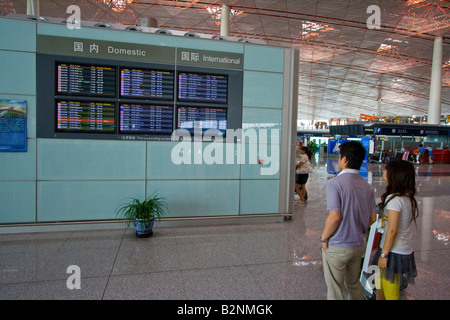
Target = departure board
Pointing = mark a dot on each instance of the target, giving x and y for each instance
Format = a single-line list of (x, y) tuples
[(203, 118), (146, 119), (83, 116), (200, 87), (85, 80), (146, 83)]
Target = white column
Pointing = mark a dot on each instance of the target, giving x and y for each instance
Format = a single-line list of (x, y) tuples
[(434, 106), (225, 21), (33, 7), (379, 108), (149, 22)]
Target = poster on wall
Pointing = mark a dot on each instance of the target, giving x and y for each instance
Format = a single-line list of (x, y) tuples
[(13, 125), (333, 145), (365, 141)]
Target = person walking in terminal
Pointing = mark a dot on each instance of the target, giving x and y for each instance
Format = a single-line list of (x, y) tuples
[(395, 256), (351, 209), (421, 153), (302, 176), (430, 155)]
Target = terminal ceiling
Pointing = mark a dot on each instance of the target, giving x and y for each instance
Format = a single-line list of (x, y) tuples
[(345, 67)]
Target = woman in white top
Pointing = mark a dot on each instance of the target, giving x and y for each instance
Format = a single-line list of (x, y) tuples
[(302, 178), (395, 257)]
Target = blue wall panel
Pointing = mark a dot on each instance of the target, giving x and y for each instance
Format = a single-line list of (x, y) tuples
[(84, 200), (17, 35), (18, 72), (264, 58), (198, 198), (160, 164), (259, 196), (19, 166), (263, 89), (17, 201), (62, 159)]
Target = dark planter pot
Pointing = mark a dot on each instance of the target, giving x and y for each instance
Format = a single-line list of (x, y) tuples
[(144, 228)]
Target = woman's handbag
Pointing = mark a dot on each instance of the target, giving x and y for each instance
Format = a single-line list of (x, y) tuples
[(305, 168)]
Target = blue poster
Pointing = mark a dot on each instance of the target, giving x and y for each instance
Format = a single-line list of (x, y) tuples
[(13, 126), (333, 145), (333, 167), (365, 142)]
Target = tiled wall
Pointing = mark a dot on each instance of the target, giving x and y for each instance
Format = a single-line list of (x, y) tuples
[(62, 179)]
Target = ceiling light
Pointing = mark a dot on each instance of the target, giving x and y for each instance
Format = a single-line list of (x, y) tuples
[(395, 40), (308, 26), (310, 29), (412, 2), (385, 47), (117, 5)]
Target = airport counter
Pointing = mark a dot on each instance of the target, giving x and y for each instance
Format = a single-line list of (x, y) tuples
[(439, 155)]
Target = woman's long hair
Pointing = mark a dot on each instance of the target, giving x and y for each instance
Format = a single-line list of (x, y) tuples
[(401, 182), (308, 152)]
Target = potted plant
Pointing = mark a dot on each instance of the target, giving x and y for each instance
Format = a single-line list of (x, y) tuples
[(143, 214), (312, 145)]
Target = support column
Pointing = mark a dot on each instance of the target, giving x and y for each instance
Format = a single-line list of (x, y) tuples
[(33, 7), (225, 21), (434, 106), (379, 108), (149, 22)]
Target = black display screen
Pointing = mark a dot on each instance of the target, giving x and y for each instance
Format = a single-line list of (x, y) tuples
[(146, 83), (85, 80), (87, 97), (146, 119), (85, 116), (201, 87), (202, 118)]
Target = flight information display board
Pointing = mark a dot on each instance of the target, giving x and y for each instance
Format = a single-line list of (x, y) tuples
[(203, 118), (146, 83), (85, 80), (202, 87), (83, 116), (146, 119), (98, 98)]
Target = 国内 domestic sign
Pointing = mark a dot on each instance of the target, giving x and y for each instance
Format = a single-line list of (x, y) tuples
[(100, 49)]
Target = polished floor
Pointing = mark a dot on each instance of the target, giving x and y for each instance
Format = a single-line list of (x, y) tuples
[(259, 261)]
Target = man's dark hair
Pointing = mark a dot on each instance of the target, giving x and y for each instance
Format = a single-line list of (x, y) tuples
[(354, 152)]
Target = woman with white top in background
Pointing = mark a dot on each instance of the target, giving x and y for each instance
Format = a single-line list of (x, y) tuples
[(302, 178)]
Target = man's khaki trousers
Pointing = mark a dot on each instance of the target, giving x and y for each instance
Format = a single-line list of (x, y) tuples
[(342, 267)]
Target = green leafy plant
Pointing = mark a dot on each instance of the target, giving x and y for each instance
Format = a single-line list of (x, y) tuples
[(154, 207), (312, 145)]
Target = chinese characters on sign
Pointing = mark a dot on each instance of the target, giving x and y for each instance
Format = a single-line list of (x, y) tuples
[(79, 47)]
